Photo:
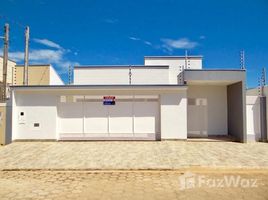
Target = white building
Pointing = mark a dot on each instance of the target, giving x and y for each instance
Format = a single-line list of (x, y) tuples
[(166, 98)]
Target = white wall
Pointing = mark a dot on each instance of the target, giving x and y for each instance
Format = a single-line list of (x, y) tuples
[(120, 75), (174, 116), (37, 108), (176, 65), (214, 112), (253, 113), (150, 76), (43, 109), (54, 77), (253, 118)]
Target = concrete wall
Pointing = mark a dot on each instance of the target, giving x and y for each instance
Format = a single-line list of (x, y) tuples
[(255, 92), (42, 107), (10, 68), (174, 116), (37, 75), (2, 123), (207, 110), (237, 111), (120, 75), (176, 65), (214, 76), (36, 108), (253, 118), (54, 78)]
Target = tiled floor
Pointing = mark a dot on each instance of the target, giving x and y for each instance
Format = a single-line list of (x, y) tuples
[(132, 155)]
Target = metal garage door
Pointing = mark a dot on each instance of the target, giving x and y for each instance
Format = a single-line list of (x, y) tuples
[(132, 117)]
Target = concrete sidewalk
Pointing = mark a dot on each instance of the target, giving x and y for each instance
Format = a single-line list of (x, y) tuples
[(132, 155)]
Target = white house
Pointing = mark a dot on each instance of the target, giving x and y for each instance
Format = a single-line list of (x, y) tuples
[(169, 97)]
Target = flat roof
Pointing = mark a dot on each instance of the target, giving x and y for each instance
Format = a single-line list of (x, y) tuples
[(216, 69), (57, 88), (122, 66), (34, 65), (94, 86), (196, 56)]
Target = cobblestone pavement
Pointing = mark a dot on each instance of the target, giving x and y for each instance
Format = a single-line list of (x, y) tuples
[(132, 155), (124, 185)]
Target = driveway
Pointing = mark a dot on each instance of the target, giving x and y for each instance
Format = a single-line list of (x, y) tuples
[(132, 155)]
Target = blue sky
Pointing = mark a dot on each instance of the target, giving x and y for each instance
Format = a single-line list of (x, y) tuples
[(89, 32)]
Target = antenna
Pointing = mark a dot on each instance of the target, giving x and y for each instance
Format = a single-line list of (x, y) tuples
[(242, 59)]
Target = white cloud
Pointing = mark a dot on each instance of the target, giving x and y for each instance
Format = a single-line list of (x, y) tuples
[(139, 39), (48, 55), (47, 43), (182, 43), (134, 38), (148, 43), (16, 56), (45, 56)]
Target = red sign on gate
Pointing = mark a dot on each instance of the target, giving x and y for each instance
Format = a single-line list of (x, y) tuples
[(109, 100)]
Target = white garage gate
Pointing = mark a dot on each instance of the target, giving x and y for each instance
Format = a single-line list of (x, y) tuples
[(87, 118)]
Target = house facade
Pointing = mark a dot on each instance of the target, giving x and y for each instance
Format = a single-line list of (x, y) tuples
[(169, 97)]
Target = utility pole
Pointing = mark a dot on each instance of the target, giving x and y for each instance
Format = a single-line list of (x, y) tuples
[(5, 61), (26, 56)]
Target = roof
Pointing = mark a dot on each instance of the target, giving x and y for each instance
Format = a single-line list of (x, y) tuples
[(73, 86), (35, 65), (64, 89), (196, 56), (123, 66), (216, 69)]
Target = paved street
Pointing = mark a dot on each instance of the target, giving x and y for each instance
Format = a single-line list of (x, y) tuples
[(132, 170), (123, 185), (132, 155)]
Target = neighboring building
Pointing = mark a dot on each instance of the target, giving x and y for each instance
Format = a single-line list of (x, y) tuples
[(10, 67), (167, 98), (253, 113), (42, 74), (37, 75)]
